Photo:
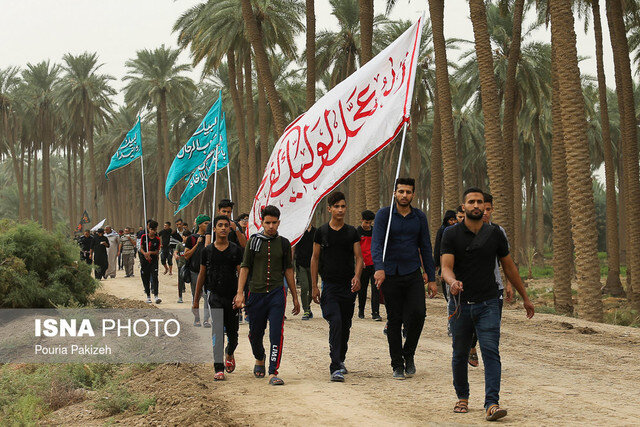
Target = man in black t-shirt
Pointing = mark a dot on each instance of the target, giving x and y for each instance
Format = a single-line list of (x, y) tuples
[(166, 252), (99, 246), (148, 255), (225, 207), (302, 255), (219, 270), (338, 259), (469, 251)]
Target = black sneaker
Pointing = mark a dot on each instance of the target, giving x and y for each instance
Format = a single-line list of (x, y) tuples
[(409, 368), (360, 315), (376, 317), (343, 369), (398, 374), (337, 377)]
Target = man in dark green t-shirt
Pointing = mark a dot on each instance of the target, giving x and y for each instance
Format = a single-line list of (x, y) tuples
[(266, 263)]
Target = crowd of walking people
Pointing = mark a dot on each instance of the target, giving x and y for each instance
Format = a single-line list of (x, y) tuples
[(334, 265)]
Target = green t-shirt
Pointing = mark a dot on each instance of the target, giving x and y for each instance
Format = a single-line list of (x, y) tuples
[(267, 266), (180, 251)]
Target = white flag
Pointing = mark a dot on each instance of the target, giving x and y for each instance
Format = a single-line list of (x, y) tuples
[(345, 128)]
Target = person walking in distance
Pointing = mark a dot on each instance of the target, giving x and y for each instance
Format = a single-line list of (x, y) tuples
[(181, 261), (86, 243), (338, 259), (469, 252), (100, 243), (127, 250), (225, 207), (194, 245), (219, 276), (120, 263), (267, 262), (148, 255), (365, 231), (398, 274), (302, 255), (112, 252), (166, 251)]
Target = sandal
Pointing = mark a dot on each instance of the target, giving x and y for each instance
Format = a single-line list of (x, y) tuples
[(462, 406), (275, 381), (219, 376), (259, 371), (229, 363), (473, 359), (494, 412)]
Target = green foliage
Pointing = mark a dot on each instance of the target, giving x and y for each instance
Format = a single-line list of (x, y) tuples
[(40, 269), (536, 271), (623, 317), (115, 399)]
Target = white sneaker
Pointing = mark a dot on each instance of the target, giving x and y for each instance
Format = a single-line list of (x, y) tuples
[(180, 300), (158, 300), (148, 300)]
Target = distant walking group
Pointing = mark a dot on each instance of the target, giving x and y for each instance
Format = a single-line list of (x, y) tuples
[(390, 251)]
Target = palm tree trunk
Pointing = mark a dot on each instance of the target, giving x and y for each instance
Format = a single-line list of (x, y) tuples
[(262, 62), (435, 203), (88, 135), (516, 176), (82, 183), (496, 165), (579, 183), (539, 243), (159, 210), (510, 114), (613, 285), (251, 135), (263, 127), (631, 169), (235, 81), (448, 145), (311, 53), (562, 251), (36, 209), (29, 211), (69, 188), (415, 159), (165, 161), (528, 228)]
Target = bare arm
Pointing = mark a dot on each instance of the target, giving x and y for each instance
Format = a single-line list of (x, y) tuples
[(315, 259), (201, 278), (355, 282), (288, 274), (511, 271), (448, 275)]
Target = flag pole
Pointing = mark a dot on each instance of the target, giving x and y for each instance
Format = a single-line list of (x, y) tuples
[(215, 182), (386, 236), (229, 181), (144, 197)]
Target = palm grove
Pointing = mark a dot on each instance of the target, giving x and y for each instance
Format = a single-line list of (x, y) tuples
[(512, 114)]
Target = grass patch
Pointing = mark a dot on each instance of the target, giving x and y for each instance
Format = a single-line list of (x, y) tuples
[(115, 399), (623, 317), (545, 309)]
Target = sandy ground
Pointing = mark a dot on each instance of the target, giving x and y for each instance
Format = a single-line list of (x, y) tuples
[(556, 370)]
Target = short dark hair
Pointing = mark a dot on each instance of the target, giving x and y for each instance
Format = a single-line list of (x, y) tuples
[(243, 216), (186, 233), (460, 209), (153, 224), (270, 210), (225, 203), (179, 220), (120, 231), (220, 218), (335, 197), (100, 230), (168, 223), (488, 198), (368, 215), (472, 190), (405, 181)]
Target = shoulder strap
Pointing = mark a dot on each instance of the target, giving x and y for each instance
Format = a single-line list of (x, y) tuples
[(284, 243), (324, 233), (481, 238)]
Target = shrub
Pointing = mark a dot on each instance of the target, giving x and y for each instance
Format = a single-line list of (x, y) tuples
[(39, 269)]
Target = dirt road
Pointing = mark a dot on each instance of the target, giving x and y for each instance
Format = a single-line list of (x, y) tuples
[(555, 370)]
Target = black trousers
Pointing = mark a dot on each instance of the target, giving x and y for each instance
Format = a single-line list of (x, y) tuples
[(365, 279), (149, 274), (86, 256), (404, 299), (225, 318), (101, 267), (337, 303), (166, 255)]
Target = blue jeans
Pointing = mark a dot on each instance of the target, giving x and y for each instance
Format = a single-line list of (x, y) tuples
[(484, 319)]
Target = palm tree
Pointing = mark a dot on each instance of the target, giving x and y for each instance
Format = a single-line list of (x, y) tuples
[(613, 285), (445, 117), (310, 53), (562, 250), (41, 79), (9, 124), (262, 62), (85, 94), (156, 79), (628, 127), (579, 184), (496, 164)]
